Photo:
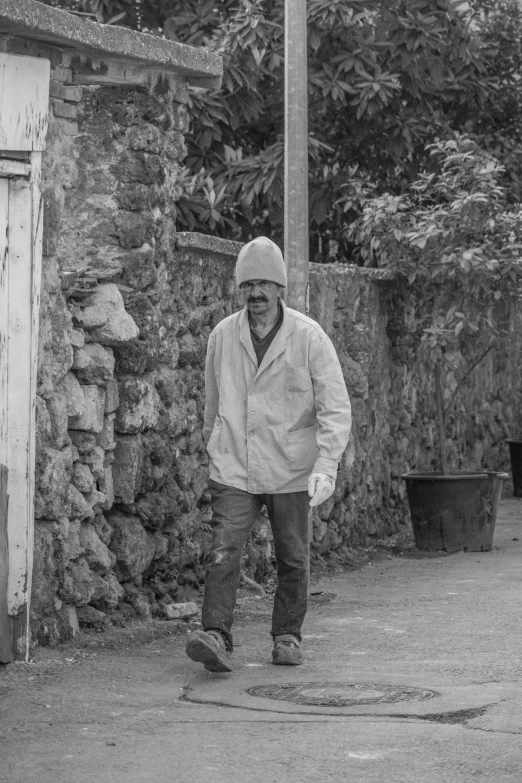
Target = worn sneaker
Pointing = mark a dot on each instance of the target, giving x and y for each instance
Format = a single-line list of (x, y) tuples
[(208, 648), (287, 651)]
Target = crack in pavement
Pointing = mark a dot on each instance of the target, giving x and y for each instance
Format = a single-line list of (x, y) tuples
[(443, 719)]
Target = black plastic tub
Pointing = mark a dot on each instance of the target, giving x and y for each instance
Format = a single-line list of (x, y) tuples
[(454, 512)]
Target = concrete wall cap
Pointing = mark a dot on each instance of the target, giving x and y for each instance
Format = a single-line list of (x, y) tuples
[(207, 243), (38, 22), (353, 270)]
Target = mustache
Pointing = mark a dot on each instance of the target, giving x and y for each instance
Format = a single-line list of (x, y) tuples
[(254, 299)]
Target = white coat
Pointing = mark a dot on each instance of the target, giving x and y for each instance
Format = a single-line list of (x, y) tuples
[(268, 428)]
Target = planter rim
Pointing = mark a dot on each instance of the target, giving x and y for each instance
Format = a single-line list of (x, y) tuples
[(513, 440), (454, 476)]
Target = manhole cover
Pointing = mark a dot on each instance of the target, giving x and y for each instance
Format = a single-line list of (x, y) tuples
[(341, 694)]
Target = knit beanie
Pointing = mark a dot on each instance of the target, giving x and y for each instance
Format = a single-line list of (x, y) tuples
[(260, 259)]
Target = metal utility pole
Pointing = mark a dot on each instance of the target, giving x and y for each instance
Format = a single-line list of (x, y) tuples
[(296, 154)]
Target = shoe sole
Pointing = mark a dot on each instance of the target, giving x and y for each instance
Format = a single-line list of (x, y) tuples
[(202, 652), (287, 658)]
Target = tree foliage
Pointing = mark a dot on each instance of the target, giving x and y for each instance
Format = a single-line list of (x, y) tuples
[(385, 81)]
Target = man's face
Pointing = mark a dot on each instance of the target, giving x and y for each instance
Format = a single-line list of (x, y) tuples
[(259, 295)]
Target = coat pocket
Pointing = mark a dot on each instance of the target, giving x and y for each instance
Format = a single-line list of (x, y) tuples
[(298, 380), (214, 441), (301, 448)]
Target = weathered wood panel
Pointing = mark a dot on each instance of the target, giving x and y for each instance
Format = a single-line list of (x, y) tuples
[(6, 643), (4, 315), (36, 275), (6, 652), (14, 168), (19, 402), (24, 97)]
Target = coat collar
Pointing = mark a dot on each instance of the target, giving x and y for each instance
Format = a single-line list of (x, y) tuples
[(278, 344)]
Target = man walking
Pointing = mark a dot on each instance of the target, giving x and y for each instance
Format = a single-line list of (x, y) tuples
[(277, 420)]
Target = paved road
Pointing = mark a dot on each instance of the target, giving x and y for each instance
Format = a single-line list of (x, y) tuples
[(126, 707)]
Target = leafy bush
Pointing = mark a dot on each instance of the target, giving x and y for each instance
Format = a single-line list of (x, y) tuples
[(455, 245)]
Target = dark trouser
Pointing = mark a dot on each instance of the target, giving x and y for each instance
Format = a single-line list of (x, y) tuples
[(233, 515)]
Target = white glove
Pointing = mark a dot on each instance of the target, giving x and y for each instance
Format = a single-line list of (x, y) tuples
[(320, 487)]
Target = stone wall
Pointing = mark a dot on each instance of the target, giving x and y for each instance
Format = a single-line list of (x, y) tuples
[(107, 430), (394, 424)]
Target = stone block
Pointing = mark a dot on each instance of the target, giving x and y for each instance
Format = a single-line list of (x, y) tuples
[(62, 73), (43, 424), (106, 485), (105, 439), (95, 459), (61, 350), (134, 230), (70, 386), (70, 618), (45, 580), (162, 546), (112, 396), (69, 93), (83, 441), (65, 110), (180, 117), (96, 552), (90, 617), (97, 500), (167, 384), (175, 147), (127, 467), (170, 611), (102, 528), (186, 610), (57, 405), (133, 546), (115, 594), (94, 364), (95, 310), (71, 547), (104, 314), (191, 351), (141, 606), (146, 137), (356, 381), (53, 474), (91, 420), (53, 199), (137, 166), (82, 477), (134, 198), (107, 591), (139, 406), (77, 338), (67, 127), (80, 506), (77, 587)]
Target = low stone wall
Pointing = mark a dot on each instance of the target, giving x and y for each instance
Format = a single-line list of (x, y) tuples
[(394, 423)]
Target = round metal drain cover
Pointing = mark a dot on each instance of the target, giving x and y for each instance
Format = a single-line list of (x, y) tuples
[(340, 694)]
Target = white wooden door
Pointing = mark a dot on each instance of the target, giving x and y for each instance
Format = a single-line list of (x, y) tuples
[(24, 98), (20, 231)]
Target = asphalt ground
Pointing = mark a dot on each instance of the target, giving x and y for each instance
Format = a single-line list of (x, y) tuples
[(412, 672)]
